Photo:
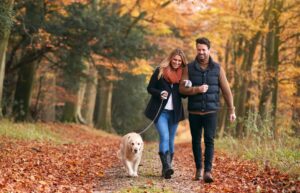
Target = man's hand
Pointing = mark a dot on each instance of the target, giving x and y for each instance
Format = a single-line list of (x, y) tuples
[(187, 83), (203, 88), (232, 117)]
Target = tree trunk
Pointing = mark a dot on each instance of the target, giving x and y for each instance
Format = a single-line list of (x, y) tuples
[(237, 55), (71, 108), (104, 98), (3, 48), (296, 107), (90, 97), (242, 108), (48, 98), (270, 87), (276, 65), (79, 103), (269, 47), (69, 113), (21, 107)]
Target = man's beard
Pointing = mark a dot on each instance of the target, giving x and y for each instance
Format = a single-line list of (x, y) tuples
[(201, 58)]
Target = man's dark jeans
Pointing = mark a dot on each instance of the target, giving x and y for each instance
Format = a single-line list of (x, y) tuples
[(209, 123)]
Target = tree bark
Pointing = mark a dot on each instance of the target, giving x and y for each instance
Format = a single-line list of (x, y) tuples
[(104, 98), (3, 48), (48, 98), (296, 107), (79, 103), (270, 88), (69, 113), (90, 97), (276, 38), (246, 78), (21, 107)]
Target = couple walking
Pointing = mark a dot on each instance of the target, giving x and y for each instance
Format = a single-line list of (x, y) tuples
[(200, 81)]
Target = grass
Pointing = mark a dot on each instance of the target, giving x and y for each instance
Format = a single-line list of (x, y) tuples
[(145, 189), (28, 131), (282, 154)]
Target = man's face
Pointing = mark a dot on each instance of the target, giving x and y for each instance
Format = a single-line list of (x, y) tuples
[(202, 52)]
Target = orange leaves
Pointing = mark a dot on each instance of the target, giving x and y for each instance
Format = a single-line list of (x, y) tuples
[(142, 66), (65, 2), (80, 165), (108, 63), (56, 168), (235, 175), (59, 5)]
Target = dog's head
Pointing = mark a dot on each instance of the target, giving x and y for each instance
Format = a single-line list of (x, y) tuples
[(135, 143)]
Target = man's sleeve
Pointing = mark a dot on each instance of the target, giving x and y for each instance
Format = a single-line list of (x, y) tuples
[(226, 91)]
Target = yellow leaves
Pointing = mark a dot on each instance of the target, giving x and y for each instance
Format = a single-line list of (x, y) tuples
[(43, 182), (32, 178), (142, 66), (159, 19), (100, 173), (160, 29)]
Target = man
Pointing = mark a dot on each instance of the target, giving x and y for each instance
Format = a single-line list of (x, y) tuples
[(202, 80)]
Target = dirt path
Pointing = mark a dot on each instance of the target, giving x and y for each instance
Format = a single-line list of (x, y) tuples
[(89, 164), (231, 175), (115, 179)]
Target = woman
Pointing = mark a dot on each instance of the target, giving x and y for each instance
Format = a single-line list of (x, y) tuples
[(165, 98)]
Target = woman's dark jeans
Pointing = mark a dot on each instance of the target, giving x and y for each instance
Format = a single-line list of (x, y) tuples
[(209, 123)]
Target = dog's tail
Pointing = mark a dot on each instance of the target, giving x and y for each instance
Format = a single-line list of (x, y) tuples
[(119, 154)]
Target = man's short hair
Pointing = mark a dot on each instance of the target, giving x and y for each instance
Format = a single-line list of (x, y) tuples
[(203, 41)]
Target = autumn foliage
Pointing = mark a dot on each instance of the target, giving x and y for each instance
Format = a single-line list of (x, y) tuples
[(73, 166), (83, 158)]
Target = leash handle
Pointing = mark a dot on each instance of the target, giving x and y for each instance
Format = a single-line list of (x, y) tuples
[(144, 130)]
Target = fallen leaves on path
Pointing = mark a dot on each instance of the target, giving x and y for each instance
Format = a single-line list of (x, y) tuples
[(80, 166), (30, 166), (235, 175)]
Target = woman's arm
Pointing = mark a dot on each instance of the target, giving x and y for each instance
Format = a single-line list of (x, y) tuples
[(152, 87), (193, 90)]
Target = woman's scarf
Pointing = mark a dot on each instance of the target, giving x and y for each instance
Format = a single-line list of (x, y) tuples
[(171, 75)]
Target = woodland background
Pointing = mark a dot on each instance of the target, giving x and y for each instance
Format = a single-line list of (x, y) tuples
[(89, 61)]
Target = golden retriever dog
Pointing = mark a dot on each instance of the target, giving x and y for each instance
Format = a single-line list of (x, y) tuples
[(130, 152)]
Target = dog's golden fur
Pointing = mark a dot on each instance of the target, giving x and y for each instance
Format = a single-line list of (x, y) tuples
[(130, 152)]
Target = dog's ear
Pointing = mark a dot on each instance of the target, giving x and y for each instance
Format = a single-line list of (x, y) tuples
[(128, 137)]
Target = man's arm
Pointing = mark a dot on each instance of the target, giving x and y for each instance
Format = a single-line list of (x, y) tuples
[(226, 91), (193, 90)]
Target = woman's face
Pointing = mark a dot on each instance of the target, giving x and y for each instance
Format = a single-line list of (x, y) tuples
[(176, 62)]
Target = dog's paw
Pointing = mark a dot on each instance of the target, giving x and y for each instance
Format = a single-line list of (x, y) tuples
[(135, 175)]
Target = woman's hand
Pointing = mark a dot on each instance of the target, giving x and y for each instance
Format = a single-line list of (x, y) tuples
[(164, 95), (187, 83)]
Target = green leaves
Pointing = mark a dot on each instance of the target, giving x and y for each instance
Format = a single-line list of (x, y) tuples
[(6, 15)]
